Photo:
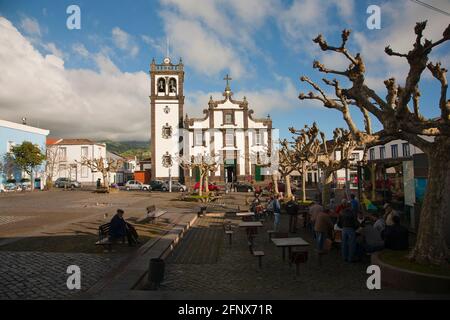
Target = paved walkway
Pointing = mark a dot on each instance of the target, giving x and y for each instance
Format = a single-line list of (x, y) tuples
[(236, 271), (37, 275)]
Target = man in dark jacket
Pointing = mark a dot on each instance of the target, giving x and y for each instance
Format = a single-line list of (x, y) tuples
[(349, 224), (396, 236), (120, 228), (292, 211)]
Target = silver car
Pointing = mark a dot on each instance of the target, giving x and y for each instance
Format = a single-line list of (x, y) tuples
[(176, 186), (137, 185)]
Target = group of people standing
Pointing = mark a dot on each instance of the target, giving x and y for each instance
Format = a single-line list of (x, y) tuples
[(359, 234)]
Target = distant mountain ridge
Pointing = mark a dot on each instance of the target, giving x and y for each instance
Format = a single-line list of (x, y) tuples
[(141, 149)]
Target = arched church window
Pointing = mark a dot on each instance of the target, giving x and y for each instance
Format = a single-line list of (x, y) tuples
[(166, 131), (173, 85), (161, 85)]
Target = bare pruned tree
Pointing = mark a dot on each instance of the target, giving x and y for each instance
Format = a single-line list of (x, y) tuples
[(104, 166), (311, 146), (205, 163), (286, 164), (51, 164), (400, 120)]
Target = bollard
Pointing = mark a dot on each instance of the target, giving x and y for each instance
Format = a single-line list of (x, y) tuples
[(156, 272)]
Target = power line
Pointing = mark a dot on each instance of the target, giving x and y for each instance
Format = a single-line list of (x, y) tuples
[(429, 6)]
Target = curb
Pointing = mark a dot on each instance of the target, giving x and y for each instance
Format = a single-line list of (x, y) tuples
[(410, 280)]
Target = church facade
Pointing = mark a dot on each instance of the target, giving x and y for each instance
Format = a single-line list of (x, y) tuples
[(228, 131)]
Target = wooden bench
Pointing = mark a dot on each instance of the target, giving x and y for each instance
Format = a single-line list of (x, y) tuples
[(151, 215), (259, 254), (103, 236)]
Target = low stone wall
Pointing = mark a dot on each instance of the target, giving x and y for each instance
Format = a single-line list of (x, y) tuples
[(395, 277)]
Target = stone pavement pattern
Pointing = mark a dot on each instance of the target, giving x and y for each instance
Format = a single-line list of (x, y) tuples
[(38, 275), (236, 271)]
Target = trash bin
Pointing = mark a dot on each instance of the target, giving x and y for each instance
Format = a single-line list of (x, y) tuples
[(156, 271)]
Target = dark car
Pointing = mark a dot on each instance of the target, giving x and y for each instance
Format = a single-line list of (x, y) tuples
[(244, 187), (66, 183), (281, 186), (157, 185), (176, 186)]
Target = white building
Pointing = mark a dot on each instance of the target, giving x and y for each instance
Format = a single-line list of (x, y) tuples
[(70, 153), (393, 150), (227, 131)]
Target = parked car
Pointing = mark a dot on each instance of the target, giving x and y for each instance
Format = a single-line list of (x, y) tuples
[(137, 185), (67, 183), (176, 186), (281, 186), (157, 185), (211, 187), (244, 187)]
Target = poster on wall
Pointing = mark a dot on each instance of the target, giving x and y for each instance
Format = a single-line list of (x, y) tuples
[(409, 183)]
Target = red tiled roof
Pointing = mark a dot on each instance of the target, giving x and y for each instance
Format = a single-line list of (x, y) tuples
[(50, 141)]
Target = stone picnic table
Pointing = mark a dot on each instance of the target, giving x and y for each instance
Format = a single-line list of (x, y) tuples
[(289, 243)]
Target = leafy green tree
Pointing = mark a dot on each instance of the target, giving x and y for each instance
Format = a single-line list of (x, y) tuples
[(28, 156)]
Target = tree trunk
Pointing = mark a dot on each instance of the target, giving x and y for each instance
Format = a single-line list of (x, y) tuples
[(32, 179), (288, 186), (275, 183), (105, 181), (200, 185), (206, 183), (431, 246), (304, 181), (326, 186)]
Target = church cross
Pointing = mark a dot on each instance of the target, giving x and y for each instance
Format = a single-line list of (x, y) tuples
[(227, 78)]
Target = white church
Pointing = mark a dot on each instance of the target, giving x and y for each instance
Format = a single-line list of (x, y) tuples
[(227, 130)]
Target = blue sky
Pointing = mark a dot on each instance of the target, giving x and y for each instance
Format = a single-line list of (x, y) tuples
[(96, 79)]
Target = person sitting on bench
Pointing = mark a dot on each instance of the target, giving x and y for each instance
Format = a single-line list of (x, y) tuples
[(120, 228)]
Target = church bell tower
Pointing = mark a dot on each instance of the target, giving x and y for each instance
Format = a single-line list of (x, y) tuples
[(166, 103)]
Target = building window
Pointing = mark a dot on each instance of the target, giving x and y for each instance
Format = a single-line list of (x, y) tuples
[(394, 151), (229, 139), (198, 138), (355, 156), (228, 118), (84, 171), (372, 154), (173, 85), (406, 151), (258, 138), (84, 152), (382, 152), (161, 85), (63, 154)]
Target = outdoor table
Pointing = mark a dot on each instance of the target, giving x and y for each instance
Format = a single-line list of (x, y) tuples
[(244, 214), (289, 243), (249, 224)]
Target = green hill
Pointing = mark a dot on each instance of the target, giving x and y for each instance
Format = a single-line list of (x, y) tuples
[(141, 149)]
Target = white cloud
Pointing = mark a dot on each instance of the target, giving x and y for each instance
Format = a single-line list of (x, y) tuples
[(124, 41), (80, 49), (201, 49), (70, 102), (30, 26), (51, 47)]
